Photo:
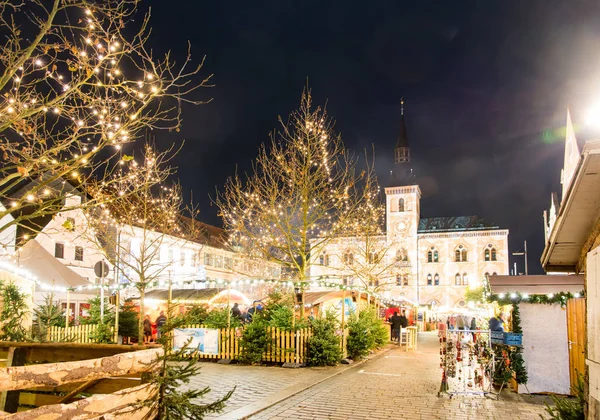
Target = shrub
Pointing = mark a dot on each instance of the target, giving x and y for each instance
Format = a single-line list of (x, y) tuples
[(47, 315), (324, 345), (567, 408), (14, 310), (365, 333), (254, 341), (282, 317), (197, 315), (217, 318), (128, 322)]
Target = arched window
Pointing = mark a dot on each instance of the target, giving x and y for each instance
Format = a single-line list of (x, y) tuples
[(494, 274), (324, 259), (436, 279), (457, 279), (465, 279), (405, 280), (463, 255), (494, 254), (401, 255), (432, 255), (429, 281), (401, 204), (348, 258), (486, 254), (398, 280), (457, 255), (372, 257)]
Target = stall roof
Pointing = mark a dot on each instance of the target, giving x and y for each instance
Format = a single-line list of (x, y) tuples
[(577, 214), (536, 285), (315, 298), (43, 265), (198, 295)]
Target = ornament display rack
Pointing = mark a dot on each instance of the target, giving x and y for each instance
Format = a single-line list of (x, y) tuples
[(467, 362)]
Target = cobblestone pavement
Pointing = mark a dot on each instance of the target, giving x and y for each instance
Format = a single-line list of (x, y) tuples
[(255, 386), (398, 385)]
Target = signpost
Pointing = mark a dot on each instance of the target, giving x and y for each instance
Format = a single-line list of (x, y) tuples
[(101, 270)]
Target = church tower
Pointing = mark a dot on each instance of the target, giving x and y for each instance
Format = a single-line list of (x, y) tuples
[(403, 197)]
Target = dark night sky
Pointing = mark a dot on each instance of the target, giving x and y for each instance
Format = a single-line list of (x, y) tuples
[(486, 85)]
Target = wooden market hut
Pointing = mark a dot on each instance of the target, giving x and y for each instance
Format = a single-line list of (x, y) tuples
[(551, 332)]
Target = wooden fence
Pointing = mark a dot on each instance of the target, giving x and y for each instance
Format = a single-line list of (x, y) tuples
[(75, 334), (284, 346)]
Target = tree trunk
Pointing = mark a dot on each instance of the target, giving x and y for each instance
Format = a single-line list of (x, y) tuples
[(141, 317)]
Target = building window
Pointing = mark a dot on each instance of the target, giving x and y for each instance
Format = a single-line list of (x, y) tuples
[(227, 263), (457, 280), (194, 259), (59, 250), (432, 255), (372, 257), (78, 253), (208, 259), (494, 254), (376, 282), (460, 254), (436, 279), (401, 204), (402, 255), (181, 258), (465, 279), (405, 280), (324, 259), (494, 274), (429, 280), (348, 258), (171, 255), (218, 261), (398, 280), (486, 254)]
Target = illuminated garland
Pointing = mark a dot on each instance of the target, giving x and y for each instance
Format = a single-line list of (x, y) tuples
[(547, 299)]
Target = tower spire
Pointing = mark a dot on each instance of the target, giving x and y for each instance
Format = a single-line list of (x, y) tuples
[(402, 106)]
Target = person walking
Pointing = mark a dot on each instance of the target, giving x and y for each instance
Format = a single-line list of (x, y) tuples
[(396, 321), (160, 321), (147, 329)]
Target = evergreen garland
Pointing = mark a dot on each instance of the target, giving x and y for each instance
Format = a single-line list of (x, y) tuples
[(513, 298), (516, 356)]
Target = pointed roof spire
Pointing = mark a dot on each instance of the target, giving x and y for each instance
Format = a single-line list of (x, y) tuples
[(402, 138)]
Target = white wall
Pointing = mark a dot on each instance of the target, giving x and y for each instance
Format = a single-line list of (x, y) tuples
[(593, 327), (545, 348)]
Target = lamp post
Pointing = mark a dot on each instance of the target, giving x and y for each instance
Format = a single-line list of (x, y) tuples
[(523, 253)]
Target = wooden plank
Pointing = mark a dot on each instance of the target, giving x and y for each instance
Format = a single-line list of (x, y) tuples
[(55, 374), (9, 401), (38, 400), (81, 388), (576, 335)]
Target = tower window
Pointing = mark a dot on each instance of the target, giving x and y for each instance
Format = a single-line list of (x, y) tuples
[(436, 279), (457, 279), (401, 204), (494, 254), (398, 280), (405, 280), (465, 279), (429, 280)]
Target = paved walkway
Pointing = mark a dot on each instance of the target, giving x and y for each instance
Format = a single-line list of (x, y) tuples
[(394, 385)]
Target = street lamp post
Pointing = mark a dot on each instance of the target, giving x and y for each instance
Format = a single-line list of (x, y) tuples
[(523, 253)]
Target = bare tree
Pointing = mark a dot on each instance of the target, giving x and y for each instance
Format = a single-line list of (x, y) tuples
[(297, 197), (139, 217), (362, 249), (74, 80)]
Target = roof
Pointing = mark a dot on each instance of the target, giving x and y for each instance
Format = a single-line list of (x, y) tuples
[(207, 296), (402, 138), (577, 213), (454, 224), (47, 269), (536, 285), (315, 298)]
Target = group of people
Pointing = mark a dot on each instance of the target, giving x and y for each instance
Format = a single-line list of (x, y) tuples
[(246, 317), (397, 323), (152, 329)]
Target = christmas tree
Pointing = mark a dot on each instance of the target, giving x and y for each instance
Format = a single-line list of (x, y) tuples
[(516, 354)]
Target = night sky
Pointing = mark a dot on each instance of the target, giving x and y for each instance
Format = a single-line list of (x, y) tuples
[(486, 86)]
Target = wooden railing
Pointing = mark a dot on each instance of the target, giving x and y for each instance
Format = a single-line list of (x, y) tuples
[(75, 334)]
